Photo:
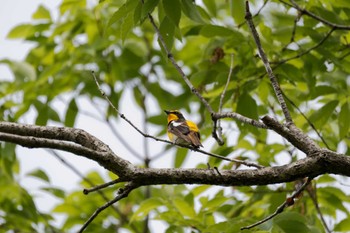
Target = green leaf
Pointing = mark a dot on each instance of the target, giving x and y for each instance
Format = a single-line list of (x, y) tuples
[(122, 12), (42, 13), (40, 174), (23, 71), (21, 31), (247, 106), (214, 30), (53, 115), (322, 90), (180, 156), (184, 207), (320, 117), (71, 5), (55, 191), (43, 114), (127, 25), (190, 10), (343, 226), (172, 9), (211, 6), (145, 207), (326, 179), (148, 7), (291, 222), (238, 10), (71, 113), (167, 29), (8, 159), (226, 226), (344, 120)]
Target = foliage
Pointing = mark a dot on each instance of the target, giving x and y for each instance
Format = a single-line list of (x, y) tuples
[(115, 38)]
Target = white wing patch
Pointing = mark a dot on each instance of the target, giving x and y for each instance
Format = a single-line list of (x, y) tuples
[(175, 124)]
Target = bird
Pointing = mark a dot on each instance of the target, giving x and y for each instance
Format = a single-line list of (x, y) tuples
[(182, 131)]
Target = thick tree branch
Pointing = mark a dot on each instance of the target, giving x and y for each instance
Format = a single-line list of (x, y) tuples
[(293, 135), (72, 140), (322, 161)]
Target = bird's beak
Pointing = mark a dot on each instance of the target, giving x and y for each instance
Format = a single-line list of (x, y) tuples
[(166, 111)]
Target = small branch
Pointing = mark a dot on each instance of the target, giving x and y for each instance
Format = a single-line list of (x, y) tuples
[(239, 117), (122, 194), (227, 83), (269, 71), (318, 18), (293, 33), (217, 124), (308, 121), (166, 141), (280, 209), (256, 14), (107, 121), (278, 63), (215, 116), (313, 195), (177, 67), (101, 186), (247, 163), (121, 115), (122, 216)]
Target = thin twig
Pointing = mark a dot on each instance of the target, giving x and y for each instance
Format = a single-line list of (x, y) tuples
[(247, 163), (177, 67), (121, 115), (269, 71), (239, 117), (289, 201), (101, 186), (117, 135), (278, 63), (122, 216), (122, 194), (313, 195), (308, 121), (256, 14), (318, 18), (227, 83), (214, 115), (166, 141), (293, 32), (217, 124)]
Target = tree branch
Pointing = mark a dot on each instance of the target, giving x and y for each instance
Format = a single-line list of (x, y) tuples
[(239, 117), (217, 130), (322, 161), (293, 135), (122, 194), (177, 67), (33, 136), (318, 18), (269, 71), (288, 202)]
